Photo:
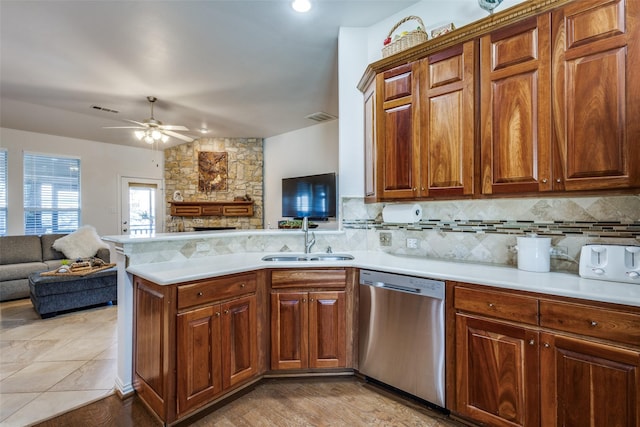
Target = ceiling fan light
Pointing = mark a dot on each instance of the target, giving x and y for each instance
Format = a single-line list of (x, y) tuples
[(165, 138), (139, 134), (301, 6), (149, 139), (156, 134)]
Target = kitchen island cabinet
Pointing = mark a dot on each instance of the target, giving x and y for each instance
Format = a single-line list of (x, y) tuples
[(194, 342), (524, 359), (312, 314)]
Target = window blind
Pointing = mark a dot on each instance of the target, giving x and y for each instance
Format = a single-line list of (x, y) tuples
[(51, 194), (3, 192)]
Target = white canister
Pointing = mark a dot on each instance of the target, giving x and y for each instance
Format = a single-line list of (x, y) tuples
[(534, 253)]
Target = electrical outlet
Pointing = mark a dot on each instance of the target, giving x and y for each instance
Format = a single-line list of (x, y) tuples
[(385, 239), (412, 243), (559, 252)]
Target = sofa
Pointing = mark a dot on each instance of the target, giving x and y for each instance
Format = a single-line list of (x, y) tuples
[(20, 256)]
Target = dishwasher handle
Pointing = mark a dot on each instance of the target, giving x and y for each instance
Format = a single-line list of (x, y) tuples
[(394, 287)]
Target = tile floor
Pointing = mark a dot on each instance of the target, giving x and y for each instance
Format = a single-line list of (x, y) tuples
[(48, 366)]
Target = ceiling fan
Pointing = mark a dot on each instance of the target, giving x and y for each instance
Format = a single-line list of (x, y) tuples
[(152, 130)]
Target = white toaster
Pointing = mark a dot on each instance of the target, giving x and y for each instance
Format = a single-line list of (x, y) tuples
[(617, 263)]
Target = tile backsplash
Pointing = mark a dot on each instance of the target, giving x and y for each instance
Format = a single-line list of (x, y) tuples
[(485, 230)]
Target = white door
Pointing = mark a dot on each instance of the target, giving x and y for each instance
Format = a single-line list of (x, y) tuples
[(142, 204)]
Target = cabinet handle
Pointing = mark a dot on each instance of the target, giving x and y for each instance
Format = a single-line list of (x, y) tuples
[(200, 294), (532, 342), (593, 323)]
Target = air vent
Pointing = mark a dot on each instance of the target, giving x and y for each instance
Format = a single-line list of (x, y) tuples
[(321, 117), (108, 110)]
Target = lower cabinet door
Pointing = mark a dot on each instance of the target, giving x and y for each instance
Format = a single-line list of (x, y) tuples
[(289, 330), (198, 357), (327, 331), (497, 372), (239, 340), (588, 384)]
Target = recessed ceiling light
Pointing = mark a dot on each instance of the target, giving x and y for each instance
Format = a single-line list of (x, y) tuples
[(203, 130), (301, 5)]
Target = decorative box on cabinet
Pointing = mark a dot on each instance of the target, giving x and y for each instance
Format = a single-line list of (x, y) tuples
[(212, 208), (529, 359)]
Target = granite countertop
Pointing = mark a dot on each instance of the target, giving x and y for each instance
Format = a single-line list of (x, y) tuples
[(552, 283)]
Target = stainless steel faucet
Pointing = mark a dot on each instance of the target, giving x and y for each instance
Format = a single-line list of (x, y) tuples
[(307, 243)]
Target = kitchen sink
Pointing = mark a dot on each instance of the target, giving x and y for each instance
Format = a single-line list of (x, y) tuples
[(307, 257)]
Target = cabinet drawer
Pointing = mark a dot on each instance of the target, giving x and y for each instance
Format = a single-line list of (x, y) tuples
[(186, 211), (308, 278), (212, 210), (244, 210), (595, 322), (215, 290), (497, 304)]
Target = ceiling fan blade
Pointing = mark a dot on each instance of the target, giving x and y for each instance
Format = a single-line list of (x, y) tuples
[(123, 127), (174, 127), (179, 136), (144, 125)]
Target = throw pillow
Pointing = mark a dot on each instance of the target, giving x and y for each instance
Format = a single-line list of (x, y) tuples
[(82, 243)]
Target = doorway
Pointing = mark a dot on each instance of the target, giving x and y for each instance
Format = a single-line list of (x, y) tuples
[(142, 207)]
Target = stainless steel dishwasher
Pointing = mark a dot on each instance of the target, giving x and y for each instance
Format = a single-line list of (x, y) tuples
[(401, 339)]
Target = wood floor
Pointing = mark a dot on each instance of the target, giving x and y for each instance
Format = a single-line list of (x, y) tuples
[(345, 401)]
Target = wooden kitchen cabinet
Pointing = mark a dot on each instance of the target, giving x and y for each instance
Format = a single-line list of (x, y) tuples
[(310, 327), (397, 132), (497, 362), (515, 110), (370, 155), (528, 360), (447, 122), (193, 342), (596, 95), (424, 145)]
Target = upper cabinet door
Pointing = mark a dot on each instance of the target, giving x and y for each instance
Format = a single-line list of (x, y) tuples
[(596, 94), (447, 126), (370, 169), (515, 108), (397, 136)]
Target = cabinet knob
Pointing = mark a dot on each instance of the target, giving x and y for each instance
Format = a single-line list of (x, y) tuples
[(544, 180), (491, 305), (547, 345), (310, 299), (226, 312), (532, 342), (217, 314), (242, 285), (421, 188), (558, 180), (414, 189), (593, 323), (200, 294)]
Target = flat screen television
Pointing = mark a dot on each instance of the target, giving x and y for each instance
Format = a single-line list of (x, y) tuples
[(311, 196)]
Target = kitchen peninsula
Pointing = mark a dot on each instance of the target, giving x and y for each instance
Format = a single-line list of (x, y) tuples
[(170, 259)]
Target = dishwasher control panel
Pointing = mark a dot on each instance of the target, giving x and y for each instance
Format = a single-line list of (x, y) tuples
[(398, 282)]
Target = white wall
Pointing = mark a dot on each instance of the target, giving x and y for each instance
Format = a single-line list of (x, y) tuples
[(308, 151), (101, 165)]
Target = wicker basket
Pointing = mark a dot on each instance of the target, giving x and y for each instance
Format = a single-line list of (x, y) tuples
[(410, 39)]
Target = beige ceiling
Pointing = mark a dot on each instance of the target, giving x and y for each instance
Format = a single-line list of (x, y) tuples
[(240, 68)]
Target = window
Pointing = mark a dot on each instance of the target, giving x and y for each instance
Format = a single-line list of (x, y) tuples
[(3, 192), (51, 194)]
